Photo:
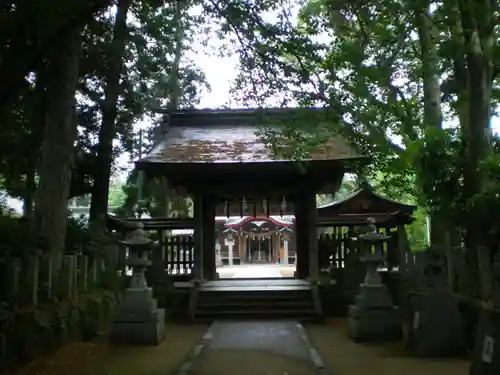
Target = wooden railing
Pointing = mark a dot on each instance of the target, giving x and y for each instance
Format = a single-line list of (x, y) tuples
[(179, 255), (175, 251), (335, 247)]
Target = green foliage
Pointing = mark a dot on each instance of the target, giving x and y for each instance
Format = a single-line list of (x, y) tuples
[(155, 196), (116, 195), (77, 234), (17, 237), (439, 160), (417, 231), (487, 202)]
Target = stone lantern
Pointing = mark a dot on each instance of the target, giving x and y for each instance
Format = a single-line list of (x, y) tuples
[(372, 260), (373, 317), (139, 320)]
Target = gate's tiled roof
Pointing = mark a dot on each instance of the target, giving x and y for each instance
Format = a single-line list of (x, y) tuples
[(230, 136)]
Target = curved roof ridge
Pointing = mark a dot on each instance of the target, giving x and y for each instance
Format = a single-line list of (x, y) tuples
[(365, 187)]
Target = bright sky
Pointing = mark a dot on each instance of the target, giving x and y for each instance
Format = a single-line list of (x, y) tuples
[(220, 73)]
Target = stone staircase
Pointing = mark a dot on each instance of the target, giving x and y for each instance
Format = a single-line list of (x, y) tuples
[(256, 299)]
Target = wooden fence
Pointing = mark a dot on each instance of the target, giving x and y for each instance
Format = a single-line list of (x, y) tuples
[(35, 279), (179, 257), (335, 247)]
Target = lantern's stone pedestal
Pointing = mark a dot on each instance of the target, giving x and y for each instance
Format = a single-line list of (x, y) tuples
[(139, 321), (373, 317)]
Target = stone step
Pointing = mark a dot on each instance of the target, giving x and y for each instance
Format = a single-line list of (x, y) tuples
[(249, 303), (256, 308), (210, 319), (242, 305), (242, 298), (258, 293), (225, 314)]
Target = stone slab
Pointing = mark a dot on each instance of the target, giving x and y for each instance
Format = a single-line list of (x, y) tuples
[(144, 308), (148, 332), (486, 355), (138, 316), (379, 313), (436, 328), (380, 329)]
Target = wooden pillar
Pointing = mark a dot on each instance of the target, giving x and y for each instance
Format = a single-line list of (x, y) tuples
[(244, 253), (209, 266), (276, 248), (301, 235), (404, 273), (285, 250), (198, 237), (306, 235), (312, 230)]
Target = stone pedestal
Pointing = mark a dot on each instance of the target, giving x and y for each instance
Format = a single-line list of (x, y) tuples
[(139, 321), (373, 317)]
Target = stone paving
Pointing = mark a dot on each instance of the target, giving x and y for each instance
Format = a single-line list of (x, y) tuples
[(255, 348), (251, 271)]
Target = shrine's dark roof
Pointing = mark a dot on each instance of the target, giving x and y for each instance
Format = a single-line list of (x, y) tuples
[(229, 136), (277, 220), (365, 202)]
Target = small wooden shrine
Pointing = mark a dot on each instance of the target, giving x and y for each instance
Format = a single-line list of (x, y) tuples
[(345, 216), (218, 158), (364, 203)]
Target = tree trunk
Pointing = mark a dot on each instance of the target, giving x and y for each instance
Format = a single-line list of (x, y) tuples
[(478, 35), (29, 189), (51, 209), (174, 94), (432, 97), (107, 132), (37, 126)]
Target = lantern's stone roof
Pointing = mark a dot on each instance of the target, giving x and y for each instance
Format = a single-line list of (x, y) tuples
[(232, 136)]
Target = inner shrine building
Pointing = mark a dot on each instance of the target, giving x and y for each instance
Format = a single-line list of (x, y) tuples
[(220, 160), (255, 240)]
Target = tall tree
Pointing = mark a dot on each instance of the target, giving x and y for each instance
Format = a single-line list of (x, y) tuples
[(58, 141), (107, 132)]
